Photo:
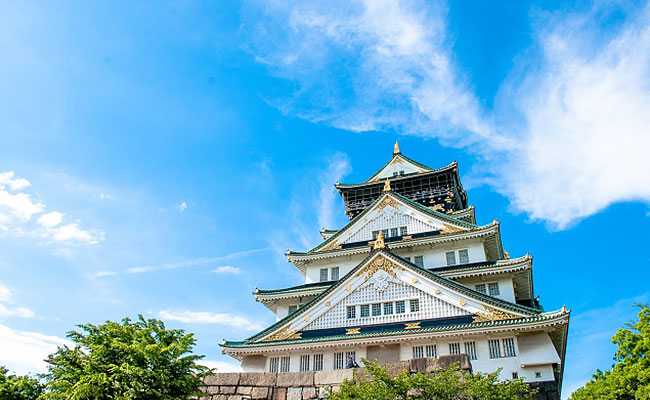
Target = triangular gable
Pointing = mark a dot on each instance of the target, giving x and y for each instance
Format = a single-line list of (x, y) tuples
[(436, 290), (393, 211), (400, 164)]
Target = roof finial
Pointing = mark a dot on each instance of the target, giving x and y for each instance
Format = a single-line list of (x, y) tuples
[(396, 148), (379, 242), (387, 185)]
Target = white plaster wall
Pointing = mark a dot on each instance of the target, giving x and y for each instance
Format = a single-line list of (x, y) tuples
[(397, 166), (283, 305), (506, 286), (345, 264)]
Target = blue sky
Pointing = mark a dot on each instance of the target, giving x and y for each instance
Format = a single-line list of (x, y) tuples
[(160, 158)]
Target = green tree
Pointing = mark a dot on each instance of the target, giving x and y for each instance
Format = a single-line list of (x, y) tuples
[(14, 387), (448, 384), (131, 360), (630, 375)]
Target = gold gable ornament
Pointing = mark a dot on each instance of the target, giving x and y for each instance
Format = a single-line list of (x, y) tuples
[(492, 314), (396, 148), (283, 334), (387, 185), (379, 242), (379, 263)]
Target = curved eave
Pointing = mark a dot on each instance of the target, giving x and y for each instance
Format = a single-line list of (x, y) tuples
[(343, 186), (468, 213), (559, 317), (502, 266), (491, 230), (407, 202)]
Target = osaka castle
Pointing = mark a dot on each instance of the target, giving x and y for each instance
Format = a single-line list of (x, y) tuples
[(411, 275)]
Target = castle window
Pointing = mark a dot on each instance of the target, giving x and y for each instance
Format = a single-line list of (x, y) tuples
[(451, 258), (515, 375), (274, 364), (431, 350), (365, 311), (375, 234), (318, 362), (538, 374), (454, 348), (351, 312), (415, 305), (395, 173), (338, 361), (376, 309), (495, 348), (418, 352), (403, 231), (419, 261), (385, 232), (304, 362), (400, 307), (335, 274), (470, 350), (388, 308), (509, 347), (481, 288), (293, 309), (284, 364), (350, 355), (323, 274), (463, 256), (493, 288), (393, 232)]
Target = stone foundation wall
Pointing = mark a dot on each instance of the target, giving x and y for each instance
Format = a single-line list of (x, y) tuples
[(308, 385)]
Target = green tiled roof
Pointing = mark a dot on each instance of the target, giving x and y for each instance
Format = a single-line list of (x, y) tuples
[(435, 277), (420, 207), (474, 325)]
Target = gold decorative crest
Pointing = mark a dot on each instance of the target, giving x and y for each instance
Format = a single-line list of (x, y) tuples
[(412, 325), (284, 334), (388, 201), (387, 185), (352, 331), (450, 229), (492, 314), (379, 242), (379, 263)]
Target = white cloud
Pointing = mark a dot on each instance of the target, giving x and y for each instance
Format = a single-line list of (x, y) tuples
[(19, 205), (221, 366), (20, 312), (182, 207), (571, 140), (17, 209), (338, 167), (101, 274), (7, 178), (50, 219), (5, 293), (227, 269), (73, 233), (23, 352), (201, 317)]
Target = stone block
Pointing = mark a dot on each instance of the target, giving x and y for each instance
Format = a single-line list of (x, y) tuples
[(211, 389), (279, 393), (334, 376), (220, 397), (362, 374), (228, 389), (260, 393), (294, 393), (225, 378), (244, 389), (397, 368), (308, 393), (289, 379), (258, 379), (418, 365), (444, 362), (234, 397)]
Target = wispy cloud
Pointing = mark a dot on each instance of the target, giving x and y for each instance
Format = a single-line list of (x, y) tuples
[(202, 317), (8, 309), (18, 208), (23, 352), (572, 143), (182, 207), (183, 264), (227, 269), (338, 167)]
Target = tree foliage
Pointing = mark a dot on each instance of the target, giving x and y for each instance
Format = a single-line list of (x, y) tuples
[(14, 387), (449, 384), (131, 360), (630, 375)]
